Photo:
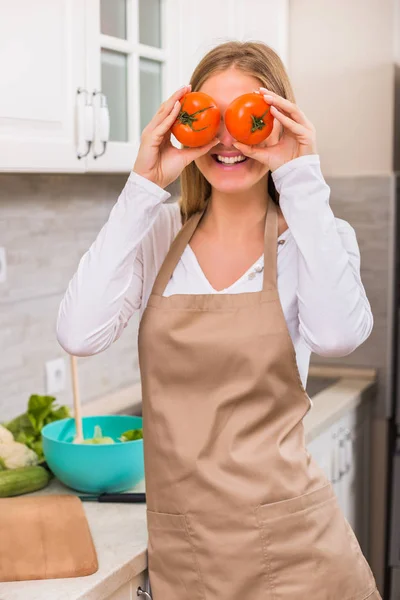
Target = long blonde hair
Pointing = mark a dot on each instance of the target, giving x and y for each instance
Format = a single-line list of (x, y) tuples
[(253, 58)]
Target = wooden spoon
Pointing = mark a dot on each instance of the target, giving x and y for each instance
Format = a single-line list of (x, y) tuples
[(77, 403)]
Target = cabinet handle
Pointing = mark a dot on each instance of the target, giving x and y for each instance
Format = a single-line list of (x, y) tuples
[(140, 592), (336, 473), (342, 453), (344, 442), (348, 441), (85, 128), (102, 122), (342, 457)]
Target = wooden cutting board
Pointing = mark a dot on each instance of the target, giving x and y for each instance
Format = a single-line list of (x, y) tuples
[(45, 537)]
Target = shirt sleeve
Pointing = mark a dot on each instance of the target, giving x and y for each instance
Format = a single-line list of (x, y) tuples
[(334, 313), (107, 287)]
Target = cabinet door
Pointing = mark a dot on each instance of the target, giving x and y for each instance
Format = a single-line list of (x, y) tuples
[(361, 479), (327, 452), (128, 591), (122, 593), (127, 63), (204, 25), (42, 58), (344, 435), (264, 20), (215, 22), (142, 581), (342, 451)]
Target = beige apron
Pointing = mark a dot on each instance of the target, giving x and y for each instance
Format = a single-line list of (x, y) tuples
[(236, 507)]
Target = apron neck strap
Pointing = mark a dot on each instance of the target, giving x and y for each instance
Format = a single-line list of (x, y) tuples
[(270, 246), (175, 252), (185, 234)]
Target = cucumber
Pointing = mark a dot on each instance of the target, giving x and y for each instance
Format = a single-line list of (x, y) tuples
[(14, 482)]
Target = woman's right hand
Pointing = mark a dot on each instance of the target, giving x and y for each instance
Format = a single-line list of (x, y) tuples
[(158, 159)]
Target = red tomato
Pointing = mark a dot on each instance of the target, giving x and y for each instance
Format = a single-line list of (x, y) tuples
[(248, 119), (198, 120)]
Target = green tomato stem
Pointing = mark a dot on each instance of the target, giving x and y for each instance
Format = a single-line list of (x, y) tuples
[(258, 122), (189, 118)]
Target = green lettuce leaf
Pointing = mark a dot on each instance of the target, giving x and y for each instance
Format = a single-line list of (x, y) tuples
[(132, 434), (39, 409), (26, 428)]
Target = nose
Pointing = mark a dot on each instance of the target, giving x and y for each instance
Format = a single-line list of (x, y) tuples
[(224, 136)]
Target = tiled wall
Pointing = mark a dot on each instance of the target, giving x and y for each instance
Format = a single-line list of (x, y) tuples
[(48, 221)]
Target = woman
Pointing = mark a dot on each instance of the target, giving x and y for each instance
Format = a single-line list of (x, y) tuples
[(260, 275)]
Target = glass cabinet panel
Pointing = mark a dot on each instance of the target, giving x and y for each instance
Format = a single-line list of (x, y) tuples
[(150, 23), (113, 18), (150, 89), (130, 72), (115, 87)]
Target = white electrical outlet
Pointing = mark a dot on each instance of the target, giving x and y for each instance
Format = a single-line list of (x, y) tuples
[(55, 376), (3, 265)]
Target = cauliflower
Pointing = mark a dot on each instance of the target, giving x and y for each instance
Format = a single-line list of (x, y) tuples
[(6, 437), (16, 455)]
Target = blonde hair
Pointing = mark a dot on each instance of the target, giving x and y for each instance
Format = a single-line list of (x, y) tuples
[(253, 58)]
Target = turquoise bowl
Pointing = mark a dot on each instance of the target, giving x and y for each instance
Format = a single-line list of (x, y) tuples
[(94, 468)]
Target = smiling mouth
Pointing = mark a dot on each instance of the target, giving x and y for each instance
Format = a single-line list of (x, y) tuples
[(230, 160)]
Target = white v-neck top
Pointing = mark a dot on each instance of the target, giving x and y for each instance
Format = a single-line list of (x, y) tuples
[(318, 263), (188, 275), (190, 266)]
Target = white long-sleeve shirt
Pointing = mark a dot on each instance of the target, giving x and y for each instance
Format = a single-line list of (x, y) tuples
[(319, 284)]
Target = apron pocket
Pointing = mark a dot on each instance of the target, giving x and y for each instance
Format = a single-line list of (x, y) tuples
[(173, 568), (310, 550)]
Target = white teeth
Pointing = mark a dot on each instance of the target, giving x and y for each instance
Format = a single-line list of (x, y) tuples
[(230, 160)]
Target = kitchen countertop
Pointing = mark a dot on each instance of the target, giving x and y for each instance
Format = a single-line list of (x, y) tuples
[(120, 538), (119, 530), (352, 388)]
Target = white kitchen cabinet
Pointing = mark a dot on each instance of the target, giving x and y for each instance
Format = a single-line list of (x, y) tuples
[(41, 49), (342, 452), (264, 20), (214, 22), (81, 78), (127, 60), (122, 593), (344, 440), (356, 481), (67, 64), (128, 591)]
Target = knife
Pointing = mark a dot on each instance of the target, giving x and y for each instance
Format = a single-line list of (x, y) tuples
[(117, 497)]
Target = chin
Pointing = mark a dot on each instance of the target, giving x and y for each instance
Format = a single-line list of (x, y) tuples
[(231, 182), (232, 185)]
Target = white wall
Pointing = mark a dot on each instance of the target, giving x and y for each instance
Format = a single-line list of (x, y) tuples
[(341, 62)]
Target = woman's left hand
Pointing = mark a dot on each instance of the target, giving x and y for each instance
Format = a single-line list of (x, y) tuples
[(297, 134)]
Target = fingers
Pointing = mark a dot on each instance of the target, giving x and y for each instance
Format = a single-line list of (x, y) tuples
[(287, 106), (277, 131), (168, 121), (165, 108), (190, 154), (290, 116), (259, 153), (288, 123)]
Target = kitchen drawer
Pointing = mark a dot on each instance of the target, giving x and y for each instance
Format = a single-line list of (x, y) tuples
[(139, 580), (122, 593), (128, 591)]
